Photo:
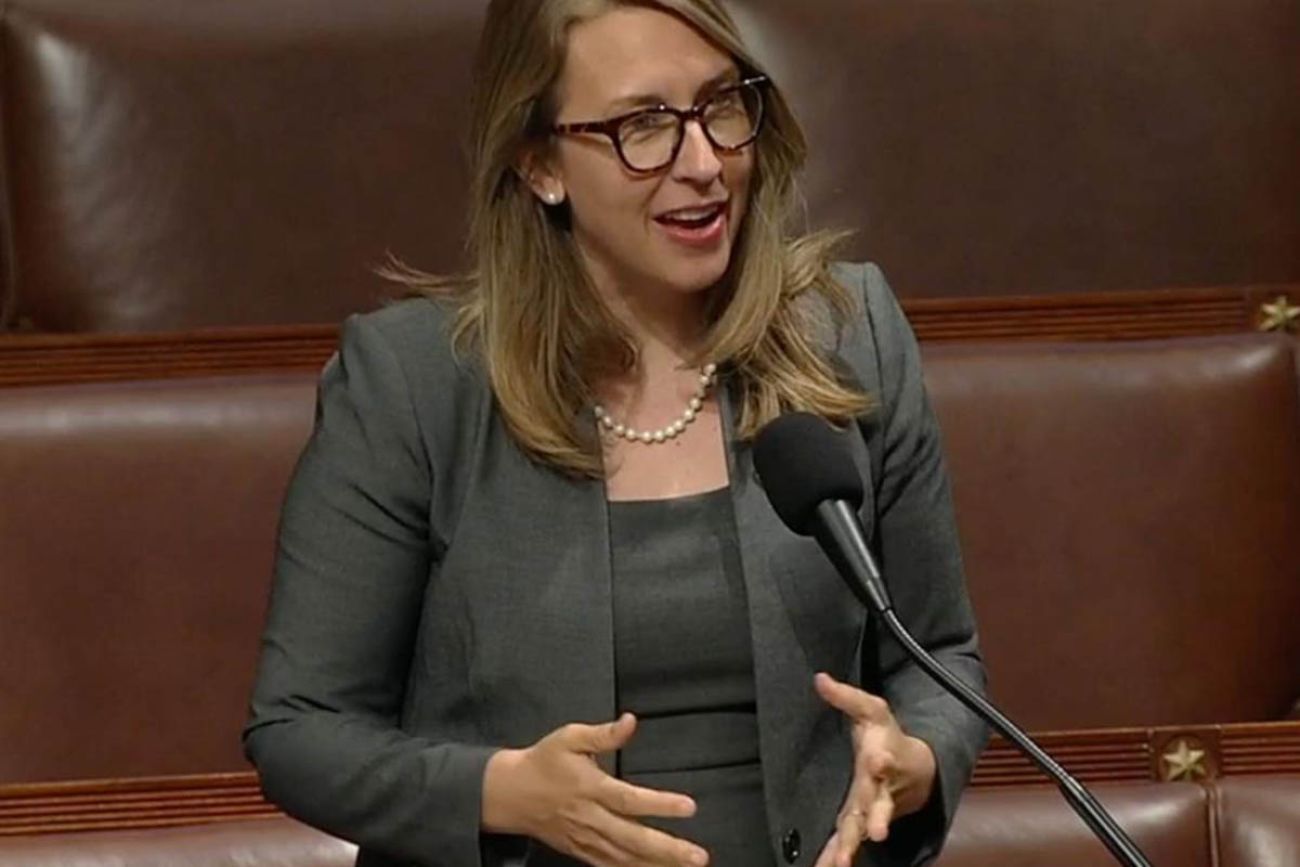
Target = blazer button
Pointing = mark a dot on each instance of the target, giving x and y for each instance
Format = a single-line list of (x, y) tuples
[(790, 845)]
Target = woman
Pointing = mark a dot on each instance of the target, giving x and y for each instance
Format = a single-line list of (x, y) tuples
[(531, 605)]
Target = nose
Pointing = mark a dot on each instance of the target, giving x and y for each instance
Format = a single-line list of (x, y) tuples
[(697, 161)]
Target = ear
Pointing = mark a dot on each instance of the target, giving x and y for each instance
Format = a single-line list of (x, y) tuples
[(535, 170)]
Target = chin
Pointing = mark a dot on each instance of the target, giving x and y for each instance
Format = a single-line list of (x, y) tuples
[(691, 274)]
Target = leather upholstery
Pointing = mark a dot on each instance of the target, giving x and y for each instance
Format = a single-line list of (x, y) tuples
[(1123, 508), (1254, 824), (138, 524), (171, 165), (189, 164), (258, 843), (1034, 147), (1257, 821), (1034, 826)]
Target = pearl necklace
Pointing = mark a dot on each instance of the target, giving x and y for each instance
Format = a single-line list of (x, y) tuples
[(651, 437)]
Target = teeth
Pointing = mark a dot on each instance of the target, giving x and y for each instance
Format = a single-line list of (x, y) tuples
[(693, 213)]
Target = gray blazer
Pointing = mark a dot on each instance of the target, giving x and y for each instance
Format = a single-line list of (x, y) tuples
[(438, 595)]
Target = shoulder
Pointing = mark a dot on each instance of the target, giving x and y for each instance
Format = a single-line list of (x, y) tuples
[(415, 335), (407, 327), (400, 360), (872, 295), (875, 334)]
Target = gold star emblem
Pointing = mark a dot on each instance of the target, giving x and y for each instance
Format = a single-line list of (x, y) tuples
[(1183, 761), (1281, 315)]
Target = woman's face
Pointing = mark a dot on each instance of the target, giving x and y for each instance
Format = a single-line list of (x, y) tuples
[(624, 222)]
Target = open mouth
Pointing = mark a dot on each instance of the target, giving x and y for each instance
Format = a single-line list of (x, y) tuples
[(693, 219)]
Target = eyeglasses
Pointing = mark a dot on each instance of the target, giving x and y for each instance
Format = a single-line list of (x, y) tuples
[(649, 139)]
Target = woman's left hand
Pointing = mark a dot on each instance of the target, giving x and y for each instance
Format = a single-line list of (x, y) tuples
[(893, 773)]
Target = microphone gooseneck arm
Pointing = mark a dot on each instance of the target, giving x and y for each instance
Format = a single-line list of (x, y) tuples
[(837, 529)]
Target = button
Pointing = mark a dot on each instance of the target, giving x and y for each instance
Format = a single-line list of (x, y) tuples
[(790, 845)]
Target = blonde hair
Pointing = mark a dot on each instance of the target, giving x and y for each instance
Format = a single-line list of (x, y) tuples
[(528, 306)]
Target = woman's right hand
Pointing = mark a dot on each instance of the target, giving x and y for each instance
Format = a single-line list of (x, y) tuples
[(555, 792)]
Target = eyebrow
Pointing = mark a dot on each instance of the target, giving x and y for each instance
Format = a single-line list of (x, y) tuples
[(727, 76)]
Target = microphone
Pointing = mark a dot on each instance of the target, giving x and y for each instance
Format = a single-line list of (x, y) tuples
[(813, 485)]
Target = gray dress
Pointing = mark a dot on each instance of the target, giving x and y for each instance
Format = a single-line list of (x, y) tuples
[(684, 665)]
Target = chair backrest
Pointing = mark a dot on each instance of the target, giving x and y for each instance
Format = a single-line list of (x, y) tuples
[(1129, 514), (171, 165), (177, 165), (1258, 820), (137, 536), (1033, 826)]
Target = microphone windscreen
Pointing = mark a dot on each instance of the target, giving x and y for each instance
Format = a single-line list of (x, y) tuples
[(802, 462)]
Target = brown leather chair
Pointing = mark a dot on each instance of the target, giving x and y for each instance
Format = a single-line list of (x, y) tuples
[(1128, 515), (1123, 508), (178, 165), (259, 843), (174, 165), (137, 526), (1035, 827), (1245, 822), (1257, 821)]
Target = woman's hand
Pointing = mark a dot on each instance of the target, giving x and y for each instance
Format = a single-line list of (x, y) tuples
[(893, 773), (555, 792)]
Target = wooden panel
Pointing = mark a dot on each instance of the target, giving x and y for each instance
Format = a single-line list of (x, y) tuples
[(1112, 755), (43, 359), (47, 359), (1091, 316), (1261, 751), (1104, 755), (144, 802)]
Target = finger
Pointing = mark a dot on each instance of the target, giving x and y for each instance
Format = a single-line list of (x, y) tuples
[(644, 843), (850, 837), (593, 848), (626, 799), (604, 738), (861, 793), (856, 703), (848, 823), (827, 856), (879, 815)]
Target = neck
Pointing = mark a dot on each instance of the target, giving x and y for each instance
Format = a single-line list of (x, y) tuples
[(666, 325)]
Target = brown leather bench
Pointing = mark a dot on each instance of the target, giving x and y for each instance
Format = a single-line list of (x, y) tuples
[(249, 166), (137, 529), (1234, 822), (1122, 507), (1238, 822), (1104, 492)]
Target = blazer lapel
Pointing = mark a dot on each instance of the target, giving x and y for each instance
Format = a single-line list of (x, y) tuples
[(778, 668), (802, 620)]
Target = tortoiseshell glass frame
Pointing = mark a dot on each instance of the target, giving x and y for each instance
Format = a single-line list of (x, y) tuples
[(611, 126)]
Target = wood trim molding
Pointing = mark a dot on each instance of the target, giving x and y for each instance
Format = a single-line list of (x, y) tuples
[(1134, 754), (1096, 756), (1084, 316), (47, 359), (129, 804), (50, 359)]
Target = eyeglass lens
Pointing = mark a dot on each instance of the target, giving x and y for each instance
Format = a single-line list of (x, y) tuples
[(649, 140)]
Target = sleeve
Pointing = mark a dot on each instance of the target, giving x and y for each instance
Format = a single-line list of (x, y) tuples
[(354, 556), (917, 544)]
